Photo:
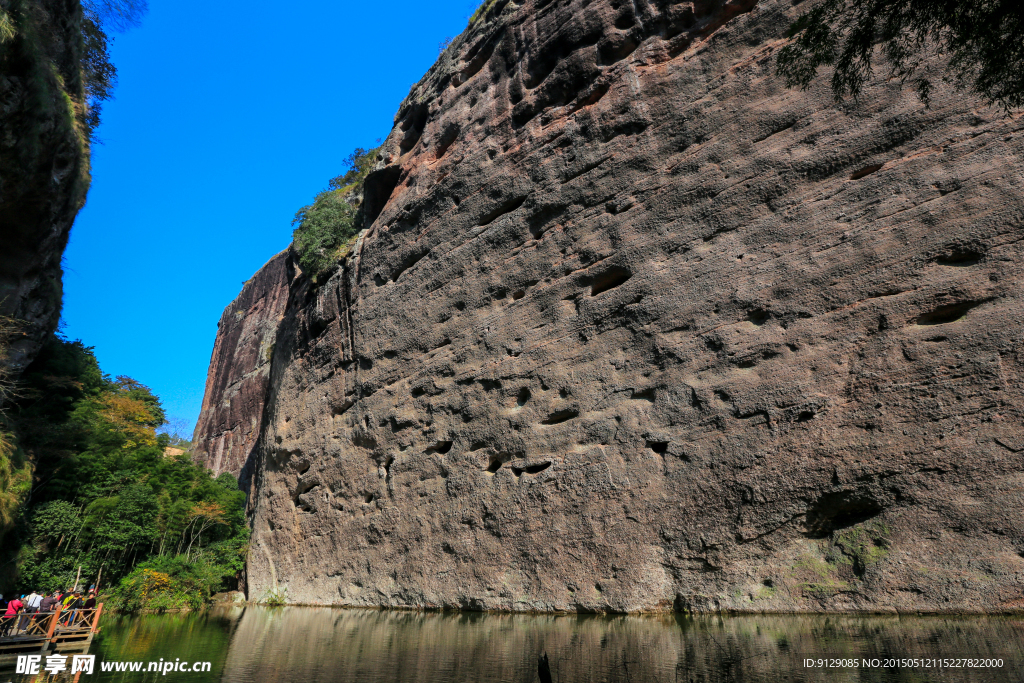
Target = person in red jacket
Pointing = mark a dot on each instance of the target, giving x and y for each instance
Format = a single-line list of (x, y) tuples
[(13, 607)]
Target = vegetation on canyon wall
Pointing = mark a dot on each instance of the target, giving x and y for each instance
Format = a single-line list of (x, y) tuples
[(100, 75), (15, 471), (981, 41), (91, 493), (485, 7), (326, 228), (79, 68)]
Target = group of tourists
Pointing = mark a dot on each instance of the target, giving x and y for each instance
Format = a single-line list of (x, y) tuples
[(21, 612)]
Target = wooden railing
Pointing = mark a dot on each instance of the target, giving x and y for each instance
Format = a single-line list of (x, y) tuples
[(50, 625), (37, 624), (81, 618)]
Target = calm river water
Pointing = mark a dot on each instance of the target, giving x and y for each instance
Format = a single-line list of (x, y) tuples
[(313, 645)]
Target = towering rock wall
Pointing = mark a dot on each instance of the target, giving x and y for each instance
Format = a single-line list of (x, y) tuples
[(635, 327), (232, 414), (44, 164)]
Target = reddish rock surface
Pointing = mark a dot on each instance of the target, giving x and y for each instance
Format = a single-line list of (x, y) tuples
[(236, 388), (635, 327)]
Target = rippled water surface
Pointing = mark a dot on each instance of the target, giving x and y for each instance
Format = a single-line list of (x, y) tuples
[(261, 645)]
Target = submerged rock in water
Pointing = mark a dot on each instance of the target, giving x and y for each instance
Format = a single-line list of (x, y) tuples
[(230, 597), (635, 327)]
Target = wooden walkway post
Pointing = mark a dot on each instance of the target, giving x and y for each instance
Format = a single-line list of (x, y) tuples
[(53, 624), (96, 617)]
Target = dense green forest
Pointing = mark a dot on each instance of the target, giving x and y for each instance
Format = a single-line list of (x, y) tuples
[(90, 491)]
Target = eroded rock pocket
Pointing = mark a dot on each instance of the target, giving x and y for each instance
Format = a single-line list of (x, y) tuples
[(949, 313), (831, 512), (609, 279)]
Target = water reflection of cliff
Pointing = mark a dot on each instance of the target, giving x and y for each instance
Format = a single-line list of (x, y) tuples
[(314, 645)]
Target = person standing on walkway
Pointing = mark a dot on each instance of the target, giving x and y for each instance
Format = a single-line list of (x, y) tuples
[(73, 606), (13, 607), (48, 603), (37, 604), (31, 607)]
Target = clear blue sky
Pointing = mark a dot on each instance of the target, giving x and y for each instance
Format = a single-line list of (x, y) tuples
[(228, 116)]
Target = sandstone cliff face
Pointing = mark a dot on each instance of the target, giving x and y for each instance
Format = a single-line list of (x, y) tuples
[(44, 164), (232, 414), (635, 327)]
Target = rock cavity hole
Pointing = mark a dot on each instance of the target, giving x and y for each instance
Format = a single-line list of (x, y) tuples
[(441, 447), (560, 416), (532, 469), (947, 314), (866, 171), (840, 510), (609, 279)]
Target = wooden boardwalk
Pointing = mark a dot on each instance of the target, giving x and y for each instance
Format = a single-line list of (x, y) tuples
[(67, 630)]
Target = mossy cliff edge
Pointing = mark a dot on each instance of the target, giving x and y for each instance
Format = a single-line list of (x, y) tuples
[(44, 162), (631, 326)]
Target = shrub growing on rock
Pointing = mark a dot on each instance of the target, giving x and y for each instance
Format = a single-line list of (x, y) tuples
[(332, 221)]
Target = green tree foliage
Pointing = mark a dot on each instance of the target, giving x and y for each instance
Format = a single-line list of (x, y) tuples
[(15, 470), (8, 328), (15, 481), (359, 164), (325, 227), (120, 15), (34, 28), (7, 28), (981, 39), (176, 432), (98, 72), (108, 499), (485, 7)]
